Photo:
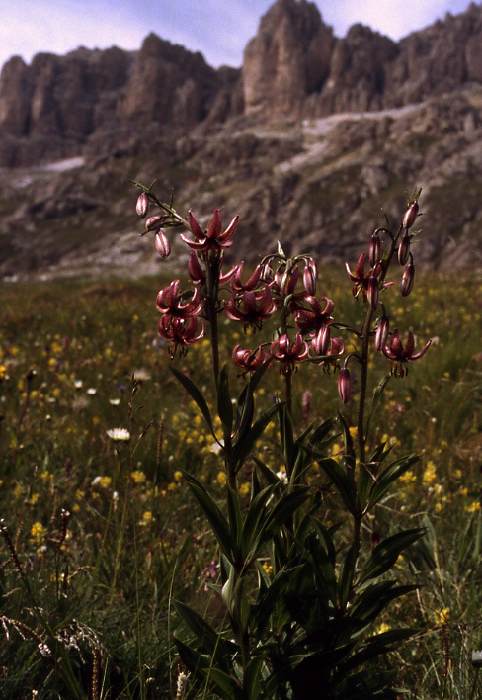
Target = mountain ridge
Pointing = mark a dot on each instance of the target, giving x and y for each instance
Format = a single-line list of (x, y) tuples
[(313, 142)]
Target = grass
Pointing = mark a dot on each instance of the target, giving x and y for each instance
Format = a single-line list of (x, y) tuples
[(86, 599)]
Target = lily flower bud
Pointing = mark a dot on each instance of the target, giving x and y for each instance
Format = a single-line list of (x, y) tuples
[(153, 223), (410, 215), (321, 341), (372, 291), (142, 205), (404, 249), (162, 244), (381, 333), (408, 277), (345, 385), (309, 278), (195, 269), (374, 249)]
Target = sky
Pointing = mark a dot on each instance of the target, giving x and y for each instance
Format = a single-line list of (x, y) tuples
[(218, 28)]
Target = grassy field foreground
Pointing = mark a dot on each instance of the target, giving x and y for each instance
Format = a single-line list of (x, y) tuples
[(99, 531)]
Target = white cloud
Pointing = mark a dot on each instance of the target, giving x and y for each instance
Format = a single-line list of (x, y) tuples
[(394, 18)]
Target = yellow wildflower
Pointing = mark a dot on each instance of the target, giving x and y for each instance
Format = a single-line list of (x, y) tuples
[(408, 478), (473, 507), (221, 478), (37, 531), (177, 476), (441, 616), (146, 518), (244, 488), (382, 628), (430, 473), (137, 476)]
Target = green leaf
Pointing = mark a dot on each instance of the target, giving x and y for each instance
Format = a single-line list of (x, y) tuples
[(225, 407), (216, 519), (343, 483), (283, 510), (386, 553), (253, 678), (376, 398), (190, 657), (206, 636), (234, 513), (265, 471), (393, 472), (375, 598), (379, 644), (287, 442), (348, 574), (192, 389), (256, 513), (350, 456), (243, 448), (226, 684)]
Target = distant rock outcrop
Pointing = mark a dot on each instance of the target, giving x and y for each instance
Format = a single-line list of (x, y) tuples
[(295, 66), (311, 142)]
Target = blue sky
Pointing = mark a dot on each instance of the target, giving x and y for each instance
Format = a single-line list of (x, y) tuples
[(218, 28)]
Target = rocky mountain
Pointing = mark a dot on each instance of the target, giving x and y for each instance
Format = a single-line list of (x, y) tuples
[(309, 142)]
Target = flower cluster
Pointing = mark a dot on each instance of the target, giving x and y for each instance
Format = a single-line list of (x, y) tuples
[(281, 285)]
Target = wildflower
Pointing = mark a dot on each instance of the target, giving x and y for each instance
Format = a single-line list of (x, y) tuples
[(410, 215), (374, 249), (37, 531), (178, 476), (3, 372), (244, 488), (214, 238), (221, 478), (408, 277), (267, 568), (430, 473), (329, 348), (381, 333), (404, 249), (441, 616), (103, 481), (400, 355), (473, 507), (91, 391), (309, 277), (250, 360), (146, 518), (345, 385), (137, 476), (252, 308), (170, 301), (312, 317), (119, 434), (372, 291), (114, 402), (162, 244), (382, 628), (282, 476), (181, 332), (141, 375), (289, 353), (142, 205), (408, 477), (251, 283)]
